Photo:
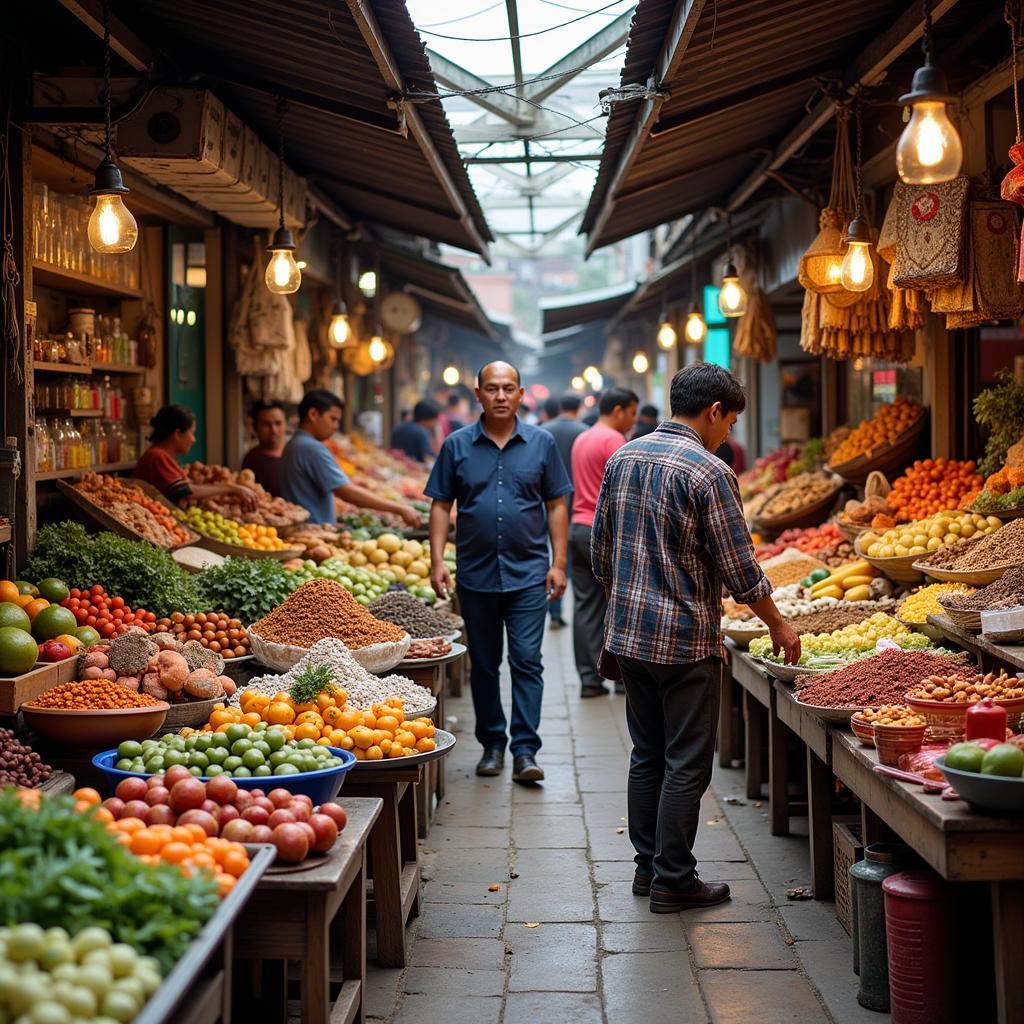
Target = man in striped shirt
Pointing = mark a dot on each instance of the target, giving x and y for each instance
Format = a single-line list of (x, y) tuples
[(668, 534)]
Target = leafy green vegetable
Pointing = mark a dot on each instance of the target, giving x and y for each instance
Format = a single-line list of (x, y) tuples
[(144, 575), (62, 868), (312, 680), (1001, 409), (245, 588)]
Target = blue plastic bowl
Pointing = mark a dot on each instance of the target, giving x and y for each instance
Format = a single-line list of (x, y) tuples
[(320, 786)]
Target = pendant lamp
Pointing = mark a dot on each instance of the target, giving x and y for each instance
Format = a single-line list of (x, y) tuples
[(858, 269), (732, 299), (696, 329), (283, 275)]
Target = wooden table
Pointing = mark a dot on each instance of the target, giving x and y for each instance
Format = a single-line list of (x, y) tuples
[(757, 697), (991, 656), (394, 853), (316, 917)]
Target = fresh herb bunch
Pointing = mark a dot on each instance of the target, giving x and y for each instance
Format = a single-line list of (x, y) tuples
[(1001, 409), (245, 588), (311, 681), (62, 868), (144, 575)]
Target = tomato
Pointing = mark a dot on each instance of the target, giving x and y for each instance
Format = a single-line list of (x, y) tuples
[(96, 589), (107, 629), (117, 602), (90, 620)]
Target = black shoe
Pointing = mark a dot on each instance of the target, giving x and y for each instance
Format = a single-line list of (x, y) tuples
[(593, 691), (492, 762), (642, 884), (526, 769), (557, 622), (702, 894)]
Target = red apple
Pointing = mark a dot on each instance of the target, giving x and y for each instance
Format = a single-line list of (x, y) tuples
[(292, 842), (161, 814), (197, 817), (280, 797), (157, 780), (157, 795), (282, 816), (210, 806), (225, 814), (243, 798), (335, 811), (237, 830), (256, 815), (264, 802), (131, 789), (187, 795), (221, 789), (256, 792), (135, 809), (115, 805), (176, 773), (325, 831), (301, 811), (303, 798), (261, 834)]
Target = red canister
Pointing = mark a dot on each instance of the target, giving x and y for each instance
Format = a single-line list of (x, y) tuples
[(919, 932), (986, 720)]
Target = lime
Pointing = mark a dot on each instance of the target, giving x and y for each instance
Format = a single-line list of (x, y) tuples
[(232, 763), (278, 757), (130, 748), (154, 765), (240, 747), (173, 757), (263, 747), (54, 590), (274, 738), (124, 765), (286, 769), (218, 755), (237, 731), (203, 741), (87, 635), (262, 771), (214, 769), (198, 759), (12, 616), (242, 773), (965, 757), (24, 588), (253, 759), (306, 744), (51, 622), (220, 739), (195, 771), (1004, 760)]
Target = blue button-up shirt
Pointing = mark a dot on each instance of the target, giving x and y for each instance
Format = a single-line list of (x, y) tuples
[(501, 535)]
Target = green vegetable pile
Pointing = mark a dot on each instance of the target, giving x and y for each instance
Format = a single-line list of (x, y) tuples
[(144, 575), (245, 588), (62, 868), (1001, 409)]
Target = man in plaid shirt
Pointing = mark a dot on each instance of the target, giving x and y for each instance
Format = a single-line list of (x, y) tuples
[(668, 534)]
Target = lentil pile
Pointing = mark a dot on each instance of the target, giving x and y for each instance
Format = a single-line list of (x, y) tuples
[(20, 765), (324, 608), (92, 695), (419, 621), (881, 679), (363, 688), (1003, 547), (1006, 592)]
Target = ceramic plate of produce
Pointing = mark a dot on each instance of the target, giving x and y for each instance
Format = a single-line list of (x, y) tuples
[(447, 651), (835, 716), (742, 637), (991, 783), (792, 673), (444, 742)]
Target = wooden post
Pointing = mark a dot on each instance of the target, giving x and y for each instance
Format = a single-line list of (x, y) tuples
[(819, 815), (216, 404), (753, 713), (778, 774)]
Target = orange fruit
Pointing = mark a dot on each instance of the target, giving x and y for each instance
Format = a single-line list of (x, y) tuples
[(418, 728), (361, 737), (325, 700), (388, 723), (235, 863), (24, 600), (198, 832), (279, 713), (175, 852), (8, 591), (311, 717), (349, 720), (253, 700), (307, 731), (281, 697), (332, 715), (35, 606), (88, 796), (222, 717), (425, 744), (252, 718), (346, 743), (146, 841), (374, 753), (225, 883), (309, 705), (103, 814), (325, 741)]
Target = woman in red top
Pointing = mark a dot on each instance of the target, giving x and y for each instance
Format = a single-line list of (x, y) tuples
[(174, 433)]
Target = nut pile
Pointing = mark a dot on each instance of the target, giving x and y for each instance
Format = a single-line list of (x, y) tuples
[(402, 609), (891, 714), (223, 635), (1006, 592), (790, 567), (324, 608), (438, 647), (799, 492), (92, 695), (882, 679), (1004, 546), (925, 601), (20, 765), (968, 689)]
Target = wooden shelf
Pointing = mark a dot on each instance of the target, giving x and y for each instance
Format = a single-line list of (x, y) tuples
[(117, 368), (73, 281), (82, 414), (41, 367), (110, 467)]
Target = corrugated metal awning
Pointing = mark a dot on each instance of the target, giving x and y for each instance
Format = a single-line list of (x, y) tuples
[(340, 65), (583, 307)]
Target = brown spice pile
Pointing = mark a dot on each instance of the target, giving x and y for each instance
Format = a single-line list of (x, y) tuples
[(324, 608), (92, 695), (1006, 592), (881, 679), (1003, 547), (829, 619)]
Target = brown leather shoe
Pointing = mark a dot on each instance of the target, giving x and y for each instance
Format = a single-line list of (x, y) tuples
[(642, 884), (702, 894)]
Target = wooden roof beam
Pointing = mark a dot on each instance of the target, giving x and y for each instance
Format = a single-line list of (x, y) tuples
[(125, 43)]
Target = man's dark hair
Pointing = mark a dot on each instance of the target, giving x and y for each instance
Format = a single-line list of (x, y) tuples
[(613, 398), (454, 398), (480, 372), (649, 411), (320, 399), (551, 408), (699, 385), (570, 403), (425, 410), (263, 406)]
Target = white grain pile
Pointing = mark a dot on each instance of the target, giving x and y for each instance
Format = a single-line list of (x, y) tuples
[(364, 689)]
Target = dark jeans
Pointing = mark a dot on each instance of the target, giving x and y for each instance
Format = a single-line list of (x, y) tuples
[(520, 613), (555, 608), (672, 714), (589, 607)]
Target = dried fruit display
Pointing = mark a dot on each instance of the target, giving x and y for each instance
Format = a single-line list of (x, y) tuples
[(269, 511), (930, 486), (131, 506), (882, 429)]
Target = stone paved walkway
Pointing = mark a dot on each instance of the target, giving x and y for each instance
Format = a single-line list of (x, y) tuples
[(563, 938)]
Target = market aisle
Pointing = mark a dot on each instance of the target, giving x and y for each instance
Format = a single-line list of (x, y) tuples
[(564, 938)]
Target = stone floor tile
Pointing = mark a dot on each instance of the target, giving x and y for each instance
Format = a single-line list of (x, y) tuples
[(465, 837), (749, 902), (550, 809), (486, 814), (747, 946), (726, 870), (829, 966), (616, 903), (430, 1009), (813, 921), (661, 934), (383, 989), (453, 981), (553, 885), (544, 831), (544, 1007), (471, 954), (481, 865), (651, 987), (603, 781), (435, 891), (606, 871), (461, 920), (767, 997), (552, 958)]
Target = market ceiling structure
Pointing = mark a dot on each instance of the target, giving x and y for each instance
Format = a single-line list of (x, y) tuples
[(736, 90), (342, 67)]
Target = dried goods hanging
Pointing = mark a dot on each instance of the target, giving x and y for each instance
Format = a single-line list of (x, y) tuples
[(755, 333), (1012, 186), (930, 225), (908, 307)]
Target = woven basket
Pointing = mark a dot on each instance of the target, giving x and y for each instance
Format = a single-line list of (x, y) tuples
[(191, 714), (899, 569), (374, 658), (977, 578), (1006, 514), (964, 619)]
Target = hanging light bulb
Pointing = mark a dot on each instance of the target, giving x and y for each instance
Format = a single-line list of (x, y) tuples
[(590, 374), (732, 299), (696, 328), (666, 336), (283, 275), (929, 150), (112, 228), (377, 350), (578, 384), (641, 364), (368, 283), (596, 382), (858, 270), (451, 376), (339, 330)]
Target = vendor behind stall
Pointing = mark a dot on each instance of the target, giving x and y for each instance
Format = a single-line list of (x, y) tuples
[(309, 475), (174, 433), (268, 421)]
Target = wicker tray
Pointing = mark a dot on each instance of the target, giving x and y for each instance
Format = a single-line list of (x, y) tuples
[(969, 621), (237, 551), (899, 569), (282, 657), (1006, 514), (809, 515), (850, 533), (895, 456), (979, 578), (191, 714)]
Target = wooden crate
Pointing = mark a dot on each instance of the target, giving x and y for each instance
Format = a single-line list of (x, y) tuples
[(14, 691), (847, 849)]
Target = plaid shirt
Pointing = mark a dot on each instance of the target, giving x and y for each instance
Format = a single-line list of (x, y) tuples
[(668, 533)]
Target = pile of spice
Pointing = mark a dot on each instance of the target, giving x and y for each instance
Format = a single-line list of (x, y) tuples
[(324, 608), (92, 695), (790, 567), (882, 679), (363, 688), (925, 601), (1005, 546), (1006, 592), (839, 615), (419, 621), (20, 765)]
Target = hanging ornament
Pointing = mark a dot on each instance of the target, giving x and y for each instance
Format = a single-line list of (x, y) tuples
[(283, 275), (858, 269)]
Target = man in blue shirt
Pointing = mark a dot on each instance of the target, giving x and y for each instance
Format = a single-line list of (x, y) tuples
[(309, 475), (509, 483), (415, 437)]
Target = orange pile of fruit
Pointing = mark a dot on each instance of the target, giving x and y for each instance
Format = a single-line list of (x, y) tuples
[(931, 486), (882, 429), (382, 732)]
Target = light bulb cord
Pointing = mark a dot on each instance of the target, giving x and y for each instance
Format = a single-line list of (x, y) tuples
[(858, 175), (926, 35), (280, 161), (106, 79), (1011, 15)]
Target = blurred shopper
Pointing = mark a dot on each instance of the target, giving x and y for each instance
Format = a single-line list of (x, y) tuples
[(564, 428), (509, 483), (731, 452), (668, 533), (268, 423), (456, 409), (415, 438), (646, 421), (590, 454)]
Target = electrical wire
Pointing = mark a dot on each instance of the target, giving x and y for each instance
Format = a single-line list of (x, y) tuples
[(521, 35)]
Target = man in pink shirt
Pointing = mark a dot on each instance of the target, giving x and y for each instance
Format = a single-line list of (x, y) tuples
[(590, 453)]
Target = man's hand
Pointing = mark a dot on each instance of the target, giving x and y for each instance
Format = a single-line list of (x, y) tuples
[(555, 583), (785, 638), (247, 497), (441, 579), (412, 517)]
